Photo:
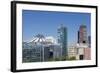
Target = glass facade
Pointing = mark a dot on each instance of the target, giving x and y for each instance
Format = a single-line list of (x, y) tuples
[(33, 54), (41, 53), (62, 40)]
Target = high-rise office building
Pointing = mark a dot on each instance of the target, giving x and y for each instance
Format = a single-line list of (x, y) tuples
[(82, 34), (78, 37), (89, 41), (62, 40)]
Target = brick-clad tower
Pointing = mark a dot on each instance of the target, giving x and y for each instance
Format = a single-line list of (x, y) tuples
[(82, 34)]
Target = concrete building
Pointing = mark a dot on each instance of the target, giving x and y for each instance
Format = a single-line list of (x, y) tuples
[(80, 52), (72, 51), (83, 52), (52, 52)]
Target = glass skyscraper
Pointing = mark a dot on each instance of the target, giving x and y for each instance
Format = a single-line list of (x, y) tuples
[(62, 40)]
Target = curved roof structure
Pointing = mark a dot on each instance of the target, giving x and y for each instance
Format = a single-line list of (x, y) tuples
[(40, 39)]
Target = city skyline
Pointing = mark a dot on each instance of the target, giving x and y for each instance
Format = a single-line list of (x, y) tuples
[(47, 23)]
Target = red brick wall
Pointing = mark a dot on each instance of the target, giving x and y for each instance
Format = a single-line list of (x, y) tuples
[(87, 53)]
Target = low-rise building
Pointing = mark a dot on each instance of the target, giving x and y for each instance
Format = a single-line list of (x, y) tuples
[(41, 49), (80, 52)]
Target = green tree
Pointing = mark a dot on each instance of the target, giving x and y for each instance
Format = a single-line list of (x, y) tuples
[(72, 58)]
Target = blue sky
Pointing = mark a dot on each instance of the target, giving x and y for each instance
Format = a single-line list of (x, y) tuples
[(47, 22)]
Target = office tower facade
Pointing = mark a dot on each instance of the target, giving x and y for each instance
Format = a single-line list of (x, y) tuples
[(82, 34), (78, 37), (89, 41), (62, 40)]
